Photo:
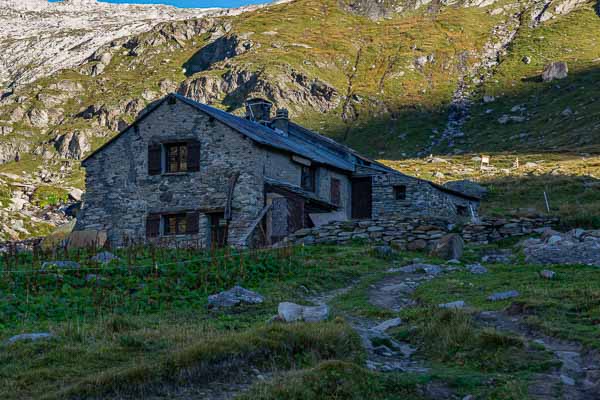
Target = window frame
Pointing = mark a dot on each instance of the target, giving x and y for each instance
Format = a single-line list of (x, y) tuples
[(400, 192), (179, 218), (182, 157), (311, 173)]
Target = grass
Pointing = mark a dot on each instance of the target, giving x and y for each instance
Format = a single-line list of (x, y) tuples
[(570, 181), (129, 332), (337, 380)]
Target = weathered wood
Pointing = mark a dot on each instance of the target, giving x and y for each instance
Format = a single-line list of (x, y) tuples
[(255, 223), (232, 182)]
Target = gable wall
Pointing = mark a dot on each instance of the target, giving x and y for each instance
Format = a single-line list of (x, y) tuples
[(422, 199), (120, 193)]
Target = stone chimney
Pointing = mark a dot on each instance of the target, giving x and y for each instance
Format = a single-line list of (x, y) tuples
[(281, 122), (259, 110)]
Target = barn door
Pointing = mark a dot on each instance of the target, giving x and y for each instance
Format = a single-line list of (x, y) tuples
[(362, 190)]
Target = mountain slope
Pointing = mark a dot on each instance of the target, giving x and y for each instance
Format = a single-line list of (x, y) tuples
[(392, 79)]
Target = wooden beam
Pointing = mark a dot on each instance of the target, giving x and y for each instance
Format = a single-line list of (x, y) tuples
[(255, 223)]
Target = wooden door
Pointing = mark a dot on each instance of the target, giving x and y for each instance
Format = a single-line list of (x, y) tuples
[(218, 230), (362, 191)]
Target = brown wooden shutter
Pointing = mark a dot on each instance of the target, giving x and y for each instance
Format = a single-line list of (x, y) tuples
[(193, 223), (193, 161), (154, 159), (336, 191), (153, 225)]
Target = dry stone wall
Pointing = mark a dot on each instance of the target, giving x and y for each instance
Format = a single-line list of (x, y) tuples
[(419, 233)]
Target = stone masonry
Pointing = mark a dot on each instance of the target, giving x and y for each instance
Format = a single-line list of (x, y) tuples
[(418, 233)]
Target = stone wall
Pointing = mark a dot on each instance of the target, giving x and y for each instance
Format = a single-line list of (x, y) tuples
[(120, 192), (418, 233)]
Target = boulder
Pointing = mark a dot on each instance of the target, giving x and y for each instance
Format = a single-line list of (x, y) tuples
[(555, 70), (455, 305), (31, 337), (389, 324), (547, 274), (104, 257), (291, 312), (477, 269), (449, 247), (60, 265), (416, 245), (234, 297), (425, 268), (467, 187), (384, 252), (503, 295), (73, 145), (76, 194)]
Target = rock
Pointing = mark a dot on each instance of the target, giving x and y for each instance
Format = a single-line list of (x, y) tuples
[(477, 269), (503, 295), (76, 194), (384, 252), (73, 145), (526, 60), (555, 70), (488, 99), (33, 337), (438, 175), (291, 312), (547, 274), (389, 324), (38, 118), (97, 69), (467, 187), (567, 380), (416, 245), (449, 247), (234, 297), (104, 257), (554, 239), (453, 305), (426, 268), (567, 112), (60, 265)]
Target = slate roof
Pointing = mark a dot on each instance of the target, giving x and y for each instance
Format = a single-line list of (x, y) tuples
[(300, 141), (300, 192), (268, 137)]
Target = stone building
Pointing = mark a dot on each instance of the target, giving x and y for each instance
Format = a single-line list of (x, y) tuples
[(186, 171)]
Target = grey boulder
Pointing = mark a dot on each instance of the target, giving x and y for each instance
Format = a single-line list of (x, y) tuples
[(291, 312), (455, 305), (233, 297), (389, 324), (31, 337), (449, 247), (60, 265), (503, 295), (555, 70), (104, 257)]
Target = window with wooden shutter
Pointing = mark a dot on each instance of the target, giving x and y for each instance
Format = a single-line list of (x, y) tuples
[(153, 225), (154, 159), (193, 222), (336, 191), (193, 156)]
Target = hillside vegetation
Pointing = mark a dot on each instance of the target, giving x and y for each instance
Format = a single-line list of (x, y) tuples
[(392, 79)]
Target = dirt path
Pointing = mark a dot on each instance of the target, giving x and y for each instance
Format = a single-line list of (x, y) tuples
[(577, 377), (393, 293)]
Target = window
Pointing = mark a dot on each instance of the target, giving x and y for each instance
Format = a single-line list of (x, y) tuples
[(170, 224), (175, 224), (177, 155), (462, 211), (173, 157), (308, 178), (400, 192), (336, 192)]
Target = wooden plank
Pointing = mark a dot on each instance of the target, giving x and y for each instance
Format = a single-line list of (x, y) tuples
[(232, 182), (255, 223)]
